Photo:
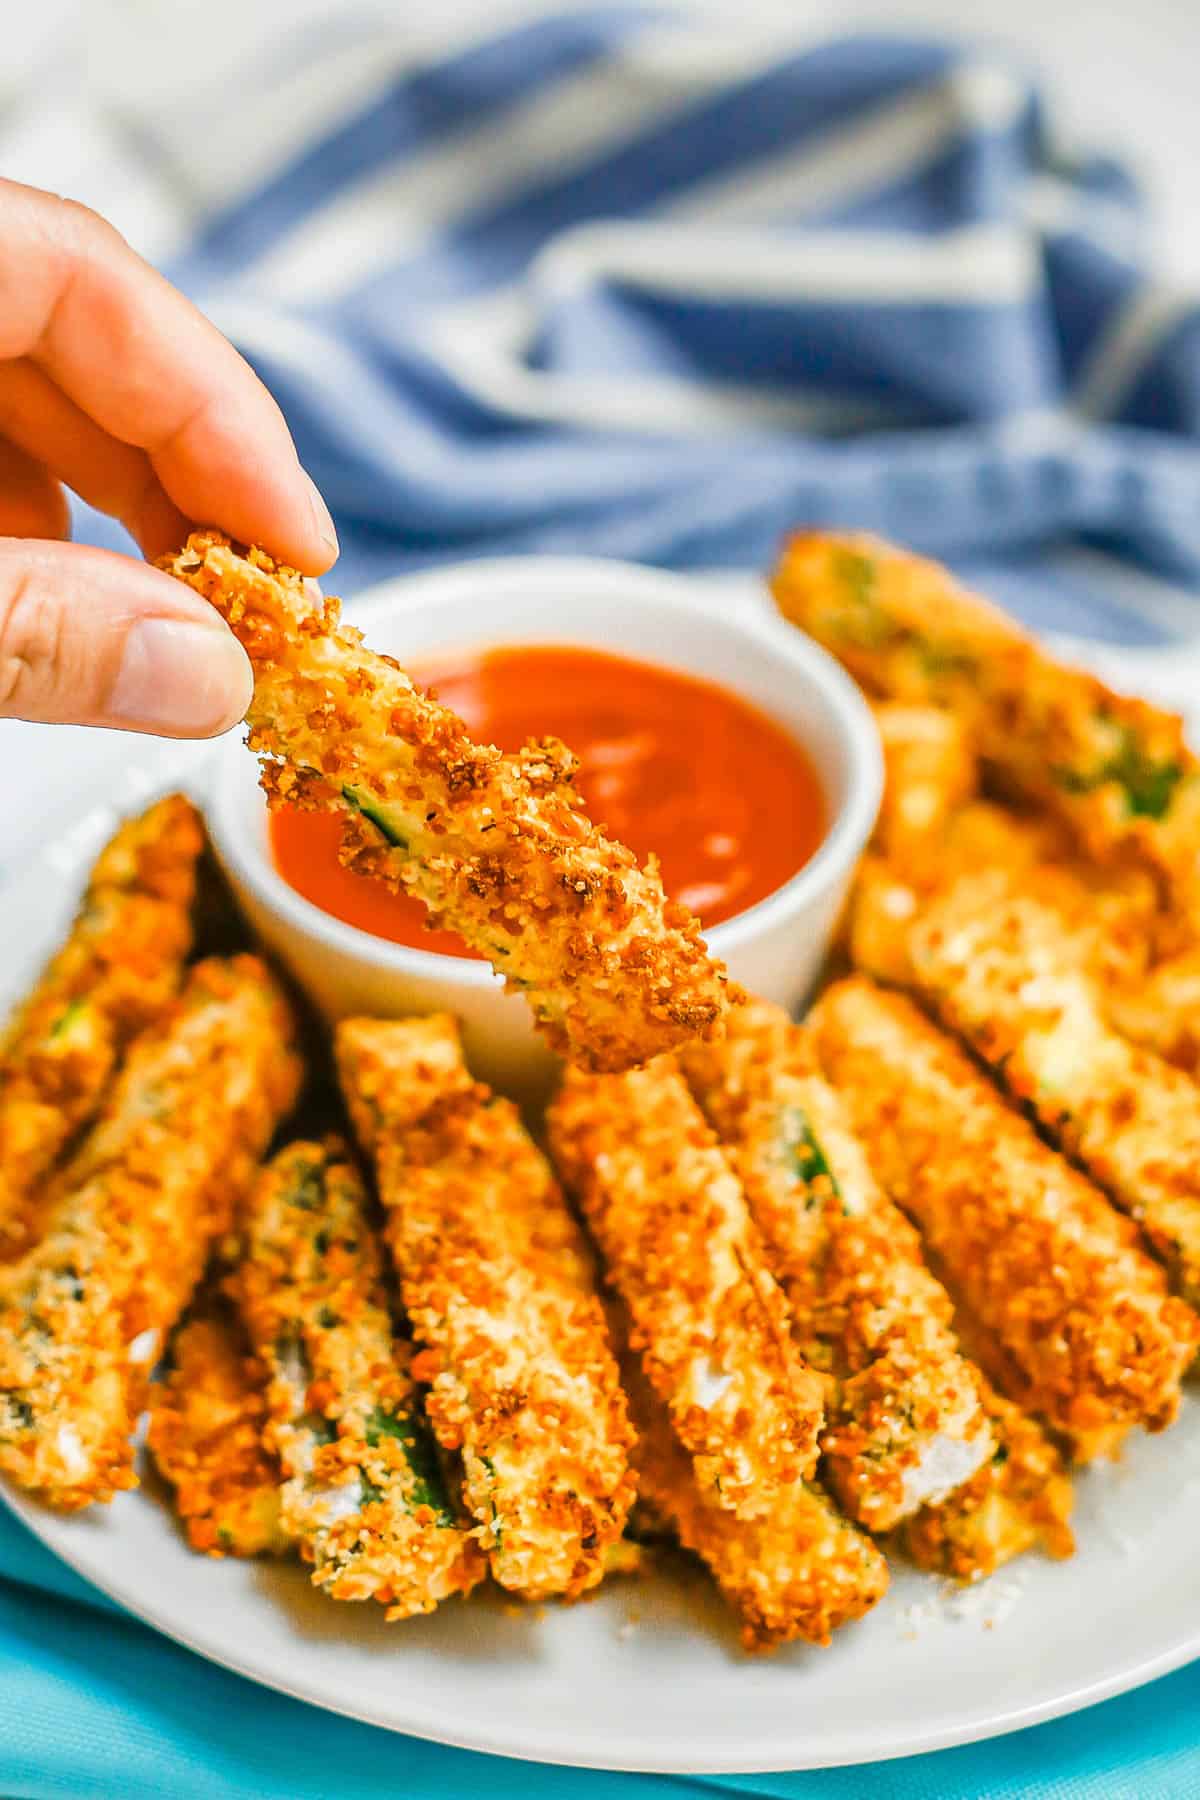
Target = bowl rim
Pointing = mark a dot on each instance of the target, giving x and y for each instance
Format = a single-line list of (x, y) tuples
[(830, 862)]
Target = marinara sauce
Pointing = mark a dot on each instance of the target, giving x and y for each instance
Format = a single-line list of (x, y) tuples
[(728, 801)]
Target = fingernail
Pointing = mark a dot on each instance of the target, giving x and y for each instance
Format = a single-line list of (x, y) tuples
[(321, 519), (181, 678)]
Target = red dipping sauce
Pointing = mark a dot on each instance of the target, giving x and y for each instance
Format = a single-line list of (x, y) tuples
[(728, 801)]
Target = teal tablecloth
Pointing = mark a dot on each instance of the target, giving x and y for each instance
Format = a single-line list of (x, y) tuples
[(96, 1707)]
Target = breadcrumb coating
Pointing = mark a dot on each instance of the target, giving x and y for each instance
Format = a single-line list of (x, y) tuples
[(84, 1314), (206, 1437), (1020, 1500), (363, 1494), (1088, 1335), (1113, 914), (500, 1292), (930, 773), (116, 972), (680, 1249), (798, 1571), (1006, 977), (1162, 1010), (498, 847), (905, 1420), (1115, 770)]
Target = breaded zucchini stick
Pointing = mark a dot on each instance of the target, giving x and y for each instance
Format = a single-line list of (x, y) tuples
[(797, 1571), (498, 847), (1086, 1333), (499, 1290), (115, 974), (1113, 913), (889, 890), (84, 1313), (363, 1494), (1115, 770), (1162, 1010), (206, 1437), (931, 772), (1019, 1500), (905, 1420), (712, 1323), (1005, 976)]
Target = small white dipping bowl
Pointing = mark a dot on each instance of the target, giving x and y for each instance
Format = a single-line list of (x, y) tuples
[(774, 948)]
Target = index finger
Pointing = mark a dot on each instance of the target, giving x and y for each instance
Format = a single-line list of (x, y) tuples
[(146, 365)]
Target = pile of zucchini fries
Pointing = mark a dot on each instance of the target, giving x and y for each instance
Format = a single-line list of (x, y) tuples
[(798, 1297)]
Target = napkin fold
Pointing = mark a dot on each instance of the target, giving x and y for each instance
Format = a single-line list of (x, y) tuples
[(661, 287)]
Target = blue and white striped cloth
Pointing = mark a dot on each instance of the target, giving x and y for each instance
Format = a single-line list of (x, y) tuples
[(618, 282)]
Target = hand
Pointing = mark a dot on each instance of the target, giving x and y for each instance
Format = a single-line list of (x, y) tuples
[(112, 383)]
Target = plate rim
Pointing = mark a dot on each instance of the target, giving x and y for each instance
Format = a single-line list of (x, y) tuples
[(563, 1755), (134, 784)]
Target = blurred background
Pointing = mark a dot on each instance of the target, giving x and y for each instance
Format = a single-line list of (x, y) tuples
[(80, 76), (664, 281)]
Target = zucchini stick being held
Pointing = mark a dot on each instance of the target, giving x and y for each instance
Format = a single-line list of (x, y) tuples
[(905, 1420), (498, 847), (363, 1492), (499, 1289)]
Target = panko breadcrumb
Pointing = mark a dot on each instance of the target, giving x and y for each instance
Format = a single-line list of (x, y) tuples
[(1113, 913), (682, 1252), (1006, 977), (1088, 1336), (499, 1290), (206, 1437), (905, 1420), (798, 1571), (1116, 770), (116, 972), (363, 1493), (498, 847), (154, 1184), (930, 773), (1162, 1010), (1020, 1500)]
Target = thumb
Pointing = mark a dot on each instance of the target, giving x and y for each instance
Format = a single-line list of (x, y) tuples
[(88, 637)]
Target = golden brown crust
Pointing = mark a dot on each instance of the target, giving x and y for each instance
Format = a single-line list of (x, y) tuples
[(115, 974), (1020, 1500), (680, 1248), (498, 847), (905, 1418), (151, 1188), (931, 771), (1006, 976), (1162, 1010), (1089, 1337), (499, 1288), (206, 1437), (1110, 916), (798, 1571), (363, 1495), (1115, 770)]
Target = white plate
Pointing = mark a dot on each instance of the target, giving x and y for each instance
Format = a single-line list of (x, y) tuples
[(648, 1676)]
